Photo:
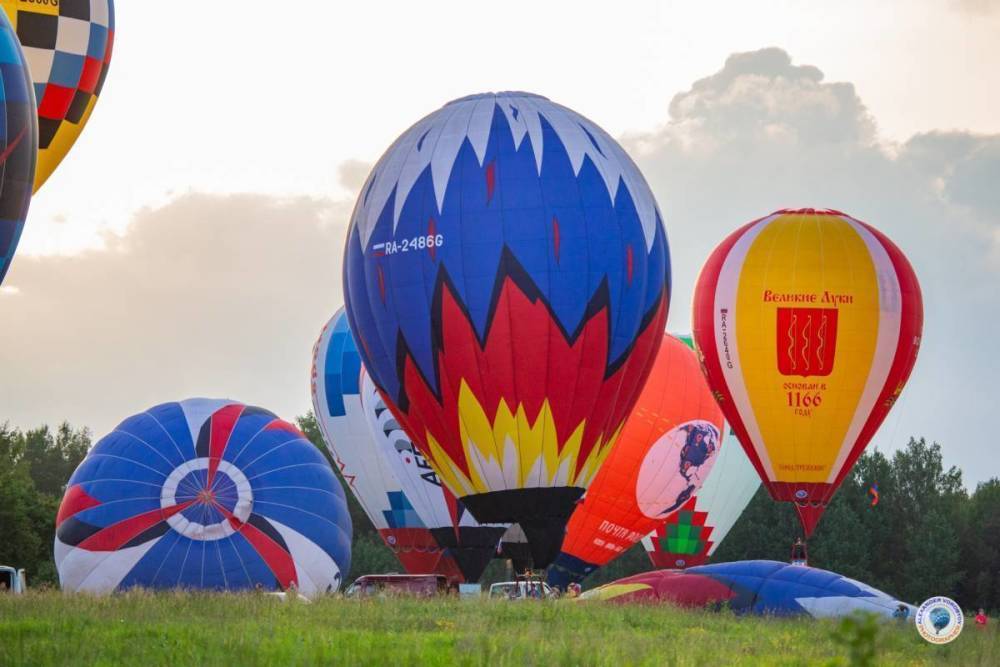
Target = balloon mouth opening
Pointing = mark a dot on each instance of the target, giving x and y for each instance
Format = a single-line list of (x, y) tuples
[(497, 95), (542, 513), (471, 547)]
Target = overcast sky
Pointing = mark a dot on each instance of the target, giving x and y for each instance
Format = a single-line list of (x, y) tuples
[(191, 243)]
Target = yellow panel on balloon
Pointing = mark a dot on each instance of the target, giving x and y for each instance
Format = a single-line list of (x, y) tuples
[(808, 320)]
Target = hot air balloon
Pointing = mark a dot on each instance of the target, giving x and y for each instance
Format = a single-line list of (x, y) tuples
[(18, 147), (463, 539), (808, 324), (507, 276), (68, 48), (470, 544), (691, 535), (206, 494), (423, 524), (760, 587), (667, 449)]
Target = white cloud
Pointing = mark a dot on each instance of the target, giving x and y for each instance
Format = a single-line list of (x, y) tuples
[(225, 295), (206, 296), (763, 134)]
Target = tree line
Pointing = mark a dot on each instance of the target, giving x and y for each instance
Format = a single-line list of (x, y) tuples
[(927, 535)]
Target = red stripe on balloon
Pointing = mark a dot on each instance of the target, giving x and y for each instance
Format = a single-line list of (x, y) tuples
[(114, 536), (491, 180), (75, 501), (282, 425), (12, 145), (274, 555), (910, 328), (223, 421), (555, 237)]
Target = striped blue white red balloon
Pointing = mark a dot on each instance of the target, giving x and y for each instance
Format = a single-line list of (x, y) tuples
[(203, 494)]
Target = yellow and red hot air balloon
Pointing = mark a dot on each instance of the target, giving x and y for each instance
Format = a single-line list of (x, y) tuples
[(666, 450), (807, 323)]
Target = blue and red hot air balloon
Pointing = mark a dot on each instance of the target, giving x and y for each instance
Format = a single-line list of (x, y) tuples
[(507, 277), (206, 494)]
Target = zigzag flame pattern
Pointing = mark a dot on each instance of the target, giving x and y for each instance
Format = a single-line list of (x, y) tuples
[(507, 423)]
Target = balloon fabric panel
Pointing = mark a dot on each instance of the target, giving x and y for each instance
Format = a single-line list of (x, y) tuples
[(205, 494), (423, 524), (68, 47), (507, 276), (668, 446), (808, 323), (757, 587), (18, 144), (692, 534), (342, 420)]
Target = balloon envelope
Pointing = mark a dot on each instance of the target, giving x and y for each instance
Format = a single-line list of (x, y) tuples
[(423, 524), (68, 48), (691, 535), (668, 446), (18, 147), (208, 494), (760, 587), (507, 276), (808, 323), (465, 541)]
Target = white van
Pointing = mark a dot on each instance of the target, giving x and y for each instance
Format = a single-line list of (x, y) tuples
[(12, 581), (522, 590)]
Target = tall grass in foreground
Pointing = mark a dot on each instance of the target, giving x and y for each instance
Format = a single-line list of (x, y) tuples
[(138, 628)]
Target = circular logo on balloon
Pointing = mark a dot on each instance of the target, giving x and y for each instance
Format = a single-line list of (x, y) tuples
[(801, 494), (217, 495), (939, 620), (675, 467)]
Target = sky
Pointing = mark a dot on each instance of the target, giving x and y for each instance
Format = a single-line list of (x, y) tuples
[(191, 243)]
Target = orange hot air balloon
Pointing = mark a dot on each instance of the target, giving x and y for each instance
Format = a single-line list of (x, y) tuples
[(667, 447), (807, 323)]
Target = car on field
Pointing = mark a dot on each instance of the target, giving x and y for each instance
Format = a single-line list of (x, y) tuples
[(12, 580), (522, 590), (392, 585)]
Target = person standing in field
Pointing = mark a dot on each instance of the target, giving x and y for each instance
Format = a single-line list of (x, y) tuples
[(981, 619)]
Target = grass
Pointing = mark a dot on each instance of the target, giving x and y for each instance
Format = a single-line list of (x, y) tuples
[(139, 628)]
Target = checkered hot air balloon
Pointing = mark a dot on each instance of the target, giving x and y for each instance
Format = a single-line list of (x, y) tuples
[(203, 494), (808, 324), (67, 44), (507, 277)]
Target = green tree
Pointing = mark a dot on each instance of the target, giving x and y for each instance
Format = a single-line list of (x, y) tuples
[(51, 459), (981, 548), (34, 469), (369, 554)]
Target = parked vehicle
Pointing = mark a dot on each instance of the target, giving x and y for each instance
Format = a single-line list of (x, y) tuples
[(522, 590), (12, 580), (387, 585)]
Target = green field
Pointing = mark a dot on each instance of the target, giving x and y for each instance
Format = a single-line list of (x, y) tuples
[(47, 628)]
